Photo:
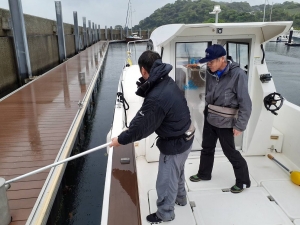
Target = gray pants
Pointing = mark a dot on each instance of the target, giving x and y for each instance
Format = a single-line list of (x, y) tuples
[(170, 184)]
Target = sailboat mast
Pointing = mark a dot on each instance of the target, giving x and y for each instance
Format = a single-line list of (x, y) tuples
[(131, 15)]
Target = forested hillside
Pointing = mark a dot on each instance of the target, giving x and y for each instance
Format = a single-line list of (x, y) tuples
[(197, 11)]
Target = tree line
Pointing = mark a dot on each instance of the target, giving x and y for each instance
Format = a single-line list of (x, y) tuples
[(197, 11)]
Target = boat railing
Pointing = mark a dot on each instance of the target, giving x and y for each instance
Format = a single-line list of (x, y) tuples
[(129, 49)]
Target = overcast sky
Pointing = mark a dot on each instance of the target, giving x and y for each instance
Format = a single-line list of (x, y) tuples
[(103, 12)]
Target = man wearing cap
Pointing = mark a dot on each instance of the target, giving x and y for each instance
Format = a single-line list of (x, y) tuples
[(227, 111)]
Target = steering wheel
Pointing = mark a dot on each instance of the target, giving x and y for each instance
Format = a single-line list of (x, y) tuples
[(273, 102)]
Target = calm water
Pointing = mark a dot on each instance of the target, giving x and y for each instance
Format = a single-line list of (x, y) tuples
[(85, 201), (283, 63)]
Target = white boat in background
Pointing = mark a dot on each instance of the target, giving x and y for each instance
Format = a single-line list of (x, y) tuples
[(272, 199), (133, 37)]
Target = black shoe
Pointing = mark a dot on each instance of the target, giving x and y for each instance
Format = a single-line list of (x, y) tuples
[(153, 219), (194, 178), (235, 189)]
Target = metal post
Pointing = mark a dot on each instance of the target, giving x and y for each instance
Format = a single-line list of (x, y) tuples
[(127, 32), (60, 31), (111, 33), (84, 33), (20, 40), (89, 32), (76, 32), (99, 32), (5, 216), (140, 32), (291, 35), (93, 33), (106, 32), (96, 32), (121, 33)]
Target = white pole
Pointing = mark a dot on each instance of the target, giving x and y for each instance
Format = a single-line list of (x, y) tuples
[(58, 163), (216, 17), (264, 10)]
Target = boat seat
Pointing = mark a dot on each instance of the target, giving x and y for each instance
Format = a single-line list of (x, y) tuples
[(216, 207), (222, 175), (183, 214), (286, 194)]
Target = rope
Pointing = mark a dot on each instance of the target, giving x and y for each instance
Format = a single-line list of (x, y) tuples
[(122, 100)]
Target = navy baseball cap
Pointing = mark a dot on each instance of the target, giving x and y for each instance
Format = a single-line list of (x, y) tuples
[(213, 52)]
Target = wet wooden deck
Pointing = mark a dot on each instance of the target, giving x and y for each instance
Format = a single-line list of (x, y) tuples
[(34, 123)]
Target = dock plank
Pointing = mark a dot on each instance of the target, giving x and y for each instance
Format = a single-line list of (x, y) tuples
[(35, 120)]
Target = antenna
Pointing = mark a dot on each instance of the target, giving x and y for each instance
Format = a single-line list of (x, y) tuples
[(216, 11)]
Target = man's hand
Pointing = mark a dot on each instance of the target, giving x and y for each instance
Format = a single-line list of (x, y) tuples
[(191, 65), (114, 142), (236, 132)]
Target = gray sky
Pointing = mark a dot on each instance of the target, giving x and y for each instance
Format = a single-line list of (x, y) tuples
[(103, 12)]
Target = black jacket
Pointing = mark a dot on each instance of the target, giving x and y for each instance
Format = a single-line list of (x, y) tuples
[(164, 111)]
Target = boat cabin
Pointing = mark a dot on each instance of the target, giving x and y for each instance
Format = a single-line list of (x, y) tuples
[(272, 198)]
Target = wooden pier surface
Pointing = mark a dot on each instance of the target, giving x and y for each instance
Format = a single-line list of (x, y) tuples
[(34, 123)]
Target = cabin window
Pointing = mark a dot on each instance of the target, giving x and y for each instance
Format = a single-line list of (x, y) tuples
[(239, 53), (189, 53)]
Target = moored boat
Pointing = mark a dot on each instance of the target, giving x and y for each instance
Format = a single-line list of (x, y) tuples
[(273, 128)]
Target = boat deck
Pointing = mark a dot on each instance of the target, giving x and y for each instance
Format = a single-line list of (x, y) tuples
[(35, 121), (211, 202)]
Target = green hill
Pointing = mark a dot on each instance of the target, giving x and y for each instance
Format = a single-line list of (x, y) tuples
[(197, 11)]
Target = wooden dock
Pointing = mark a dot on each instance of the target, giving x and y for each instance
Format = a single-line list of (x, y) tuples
[(39, 125)]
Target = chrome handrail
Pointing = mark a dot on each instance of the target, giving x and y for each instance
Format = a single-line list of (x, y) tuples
[(129, 50)]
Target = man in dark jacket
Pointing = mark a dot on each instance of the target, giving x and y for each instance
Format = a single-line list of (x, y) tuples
[(166, 113), (227, 111)]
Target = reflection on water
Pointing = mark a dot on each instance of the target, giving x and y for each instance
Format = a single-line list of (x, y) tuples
[(283, 63)]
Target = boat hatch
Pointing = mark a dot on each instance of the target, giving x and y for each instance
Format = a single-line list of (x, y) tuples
[(297, 222), (183, 214), (286, 194), (252, 207)]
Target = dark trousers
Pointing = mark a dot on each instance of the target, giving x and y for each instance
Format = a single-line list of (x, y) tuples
[(225, 135)]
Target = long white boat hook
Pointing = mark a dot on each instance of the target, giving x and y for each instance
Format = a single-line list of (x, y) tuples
[(58, 163)]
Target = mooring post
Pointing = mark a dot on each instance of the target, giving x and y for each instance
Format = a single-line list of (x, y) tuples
[(76, 32), (99, 32), (111, 33), (60, 31), (291, 35), (5, 216), (93, 33), (89, 32), (85, 41), (20, 40), (105, 32)]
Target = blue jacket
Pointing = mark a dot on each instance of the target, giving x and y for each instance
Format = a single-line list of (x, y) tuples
[(164, 112)]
